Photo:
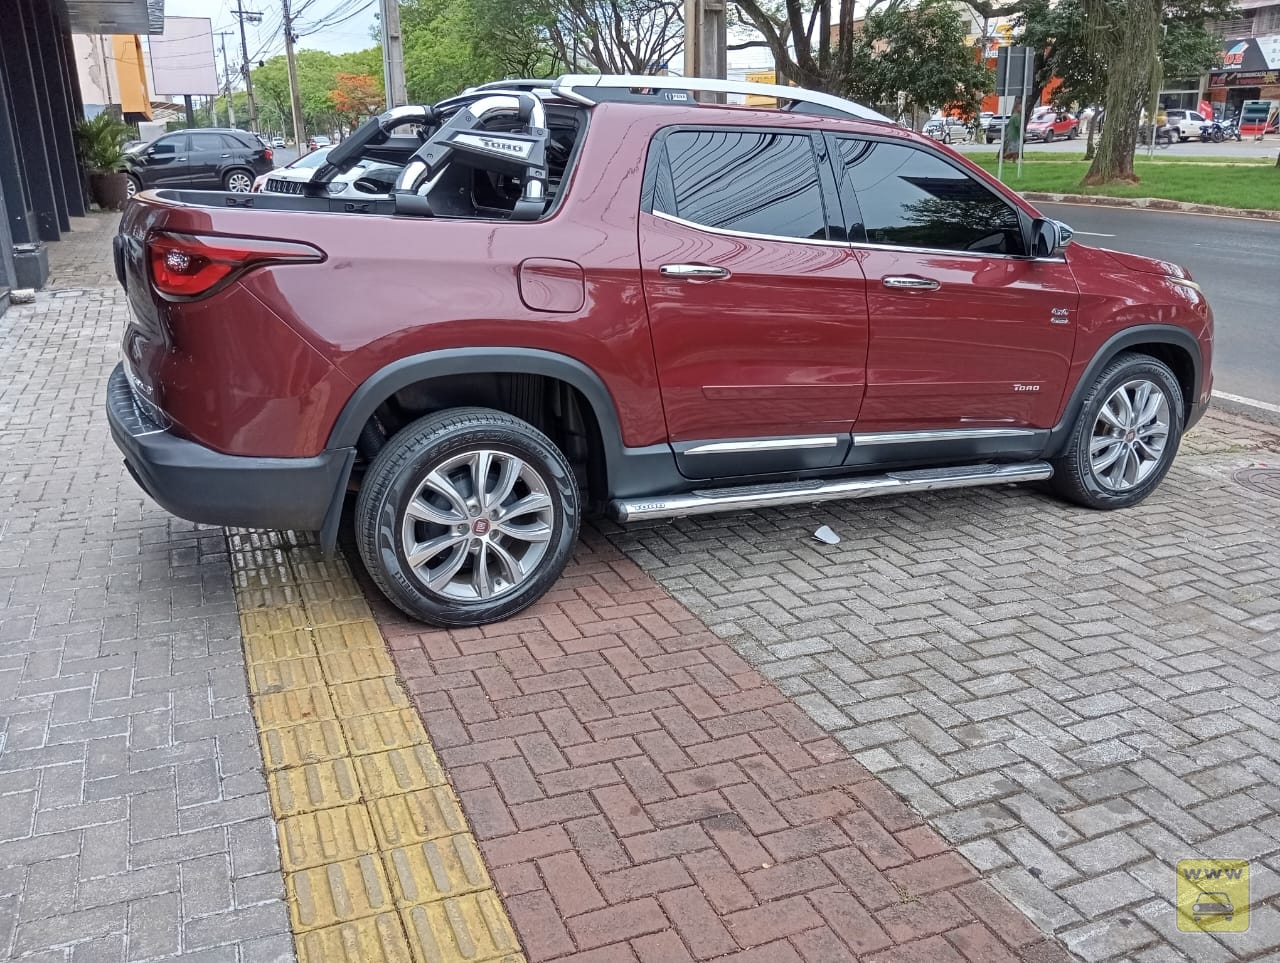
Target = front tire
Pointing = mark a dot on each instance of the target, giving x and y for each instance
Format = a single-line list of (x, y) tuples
[(466, 517), (1048, 136), (1125, 436)]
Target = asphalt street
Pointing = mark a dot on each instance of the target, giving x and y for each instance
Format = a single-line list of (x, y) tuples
[(1269, 146), (1237, 262)]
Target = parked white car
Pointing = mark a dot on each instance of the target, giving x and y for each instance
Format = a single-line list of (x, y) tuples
[(364, 179), (1187, 121)]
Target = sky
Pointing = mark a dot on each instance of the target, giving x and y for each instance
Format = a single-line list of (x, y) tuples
[(316, 20)]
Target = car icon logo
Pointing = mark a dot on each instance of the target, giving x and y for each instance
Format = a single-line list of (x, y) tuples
[(1212, 904)]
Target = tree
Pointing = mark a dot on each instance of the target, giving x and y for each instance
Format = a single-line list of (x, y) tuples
[(355, 97), (900, 57), (1058, 34), (914, 58), (616, 36), (1133, 38)]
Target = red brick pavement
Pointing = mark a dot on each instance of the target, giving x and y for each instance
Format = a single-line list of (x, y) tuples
[(642, 794)]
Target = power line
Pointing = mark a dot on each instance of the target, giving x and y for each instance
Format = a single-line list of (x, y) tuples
[(328, 22)]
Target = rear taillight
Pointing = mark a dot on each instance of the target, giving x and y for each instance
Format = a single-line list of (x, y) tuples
[(190, 265), (268, 153)]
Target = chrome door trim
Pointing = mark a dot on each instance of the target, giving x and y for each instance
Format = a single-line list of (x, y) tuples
[(855, 245), (941, 435), (759, 237), (762, 444)]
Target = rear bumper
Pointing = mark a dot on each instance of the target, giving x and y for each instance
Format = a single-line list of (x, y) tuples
[(203, 485)]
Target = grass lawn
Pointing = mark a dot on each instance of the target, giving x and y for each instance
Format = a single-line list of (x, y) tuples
[(1249, 182)]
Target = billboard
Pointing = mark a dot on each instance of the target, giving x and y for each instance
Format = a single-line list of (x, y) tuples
[(181, 58), (1251, 53)]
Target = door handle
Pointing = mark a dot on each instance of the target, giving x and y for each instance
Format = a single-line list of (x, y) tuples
[(226, 155), (180, 158), (695, 272), (911, 283)]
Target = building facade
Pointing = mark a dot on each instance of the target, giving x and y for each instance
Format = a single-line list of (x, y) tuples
[(112, 73), (41, 182)]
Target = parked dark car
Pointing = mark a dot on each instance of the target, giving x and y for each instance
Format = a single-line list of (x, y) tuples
[(208, 158)]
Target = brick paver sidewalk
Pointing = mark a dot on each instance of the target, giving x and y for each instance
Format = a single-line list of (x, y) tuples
[(712, 765), (641, 793), (1076, 699), (134, 822)]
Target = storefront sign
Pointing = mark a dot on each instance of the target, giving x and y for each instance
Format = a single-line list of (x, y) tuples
[(1252, 79), (1251, 53)]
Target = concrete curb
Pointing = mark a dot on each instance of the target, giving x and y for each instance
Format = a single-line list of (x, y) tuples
[(1258, 411), (1151, 204)]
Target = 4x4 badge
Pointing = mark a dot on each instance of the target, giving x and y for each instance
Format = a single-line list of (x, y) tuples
[(1060, 315)]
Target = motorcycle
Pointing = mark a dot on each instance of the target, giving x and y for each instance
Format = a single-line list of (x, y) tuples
[(1218, 131)]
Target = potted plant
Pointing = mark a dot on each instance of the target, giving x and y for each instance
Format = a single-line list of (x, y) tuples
[(100, 147)]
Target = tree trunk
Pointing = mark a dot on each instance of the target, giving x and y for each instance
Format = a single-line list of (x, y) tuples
[(1131, 43), (1088, 143)]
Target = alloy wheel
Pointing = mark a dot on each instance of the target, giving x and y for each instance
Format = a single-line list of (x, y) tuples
[(239, 183), (131, 187), (1129, 436), (477, 526)]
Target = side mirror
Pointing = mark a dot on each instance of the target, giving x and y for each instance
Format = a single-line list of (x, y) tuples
[(1049, 237)]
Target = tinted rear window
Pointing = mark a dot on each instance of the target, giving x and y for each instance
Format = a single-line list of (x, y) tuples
[(755, 182)]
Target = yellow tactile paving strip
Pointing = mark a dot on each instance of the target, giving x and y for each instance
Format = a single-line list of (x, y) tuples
[(379, 862)]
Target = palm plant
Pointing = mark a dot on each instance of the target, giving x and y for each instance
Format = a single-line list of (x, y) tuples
[(101, 138)]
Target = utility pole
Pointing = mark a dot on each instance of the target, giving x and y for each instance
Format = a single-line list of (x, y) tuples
[(299, 128), (706, 42), (252, 16), (231, 111), (393, 54)]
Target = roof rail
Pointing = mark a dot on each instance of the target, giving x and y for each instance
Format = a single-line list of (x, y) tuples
[(513, 83), (577, 87)]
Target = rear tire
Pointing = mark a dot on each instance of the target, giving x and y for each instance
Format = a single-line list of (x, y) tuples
[(1125, 436), (238, 182), (134, 186), (452, 551)]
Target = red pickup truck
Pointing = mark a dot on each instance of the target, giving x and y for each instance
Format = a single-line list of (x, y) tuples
[(602, 294)]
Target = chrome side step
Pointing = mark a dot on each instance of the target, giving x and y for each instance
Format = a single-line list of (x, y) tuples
[(747, 497)]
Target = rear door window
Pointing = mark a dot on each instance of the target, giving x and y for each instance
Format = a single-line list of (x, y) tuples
[(207, 142), (751, 182), (909, 198)]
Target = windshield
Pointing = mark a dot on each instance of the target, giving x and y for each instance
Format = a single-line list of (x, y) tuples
[(314, 159)]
